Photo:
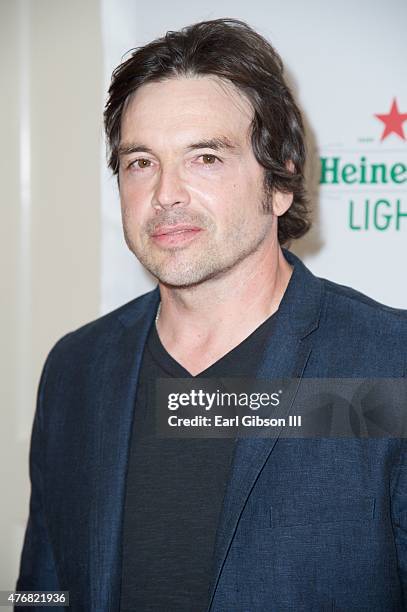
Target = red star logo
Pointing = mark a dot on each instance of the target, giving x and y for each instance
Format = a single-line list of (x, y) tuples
[(393, 121)]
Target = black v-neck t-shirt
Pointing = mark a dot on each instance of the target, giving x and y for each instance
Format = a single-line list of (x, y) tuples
[(175, 489)]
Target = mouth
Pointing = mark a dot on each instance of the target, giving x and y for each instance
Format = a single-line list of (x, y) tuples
[(173, 235)]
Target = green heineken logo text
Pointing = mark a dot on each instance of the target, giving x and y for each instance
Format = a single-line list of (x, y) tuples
[(376, 214), (335, 172)]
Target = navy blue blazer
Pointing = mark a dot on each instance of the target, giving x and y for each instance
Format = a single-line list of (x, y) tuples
[(306, 525)]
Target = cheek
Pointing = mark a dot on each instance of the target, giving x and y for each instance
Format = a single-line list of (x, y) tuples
[(133, 201), (242, 211)]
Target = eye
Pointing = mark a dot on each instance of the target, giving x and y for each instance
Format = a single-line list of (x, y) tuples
[(141, 163), (209, 160)]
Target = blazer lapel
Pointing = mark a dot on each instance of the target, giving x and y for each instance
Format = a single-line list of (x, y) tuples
[(285, 357), (112, 425)]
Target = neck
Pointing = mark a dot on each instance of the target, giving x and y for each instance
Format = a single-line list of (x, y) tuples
[(218, 314)]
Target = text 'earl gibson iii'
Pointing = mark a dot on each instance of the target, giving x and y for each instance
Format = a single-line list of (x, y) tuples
[(236, 421)]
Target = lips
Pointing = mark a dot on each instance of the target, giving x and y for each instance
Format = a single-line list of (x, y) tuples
[(175, 229), (177, 236)]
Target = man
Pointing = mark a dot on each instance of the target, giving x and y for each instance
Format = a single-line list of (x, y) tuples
[(207, 145)]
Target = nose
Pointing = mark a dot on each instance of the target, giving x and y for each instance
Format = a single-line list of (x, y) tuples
[(170, 189)]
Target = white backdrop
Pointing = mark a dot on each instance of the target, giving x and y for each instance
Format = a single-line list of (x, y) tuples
[(346, 64)]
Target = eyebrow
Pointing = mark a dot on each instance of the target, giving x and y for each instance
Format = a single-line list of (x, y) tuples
[(216, 144)]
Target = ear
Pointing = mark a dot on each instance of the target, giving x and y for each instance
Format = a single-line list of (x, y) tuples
[(282, 201)]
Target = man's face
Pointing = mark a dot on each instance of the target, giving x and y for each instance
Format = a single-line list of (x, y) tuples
[(191, 190)]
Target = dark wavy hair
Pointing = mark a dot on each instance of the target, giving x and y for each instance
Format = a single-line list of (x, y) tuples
[(228, 49)]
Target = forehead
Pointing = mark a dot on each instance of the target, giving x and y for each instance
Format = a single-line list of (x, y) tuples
[(184, 107)]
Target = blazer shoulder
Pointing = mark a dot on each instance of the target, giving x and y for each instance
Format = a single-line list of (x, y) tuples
[(347, 300), (360, 336), (362, 321), (97, 330)]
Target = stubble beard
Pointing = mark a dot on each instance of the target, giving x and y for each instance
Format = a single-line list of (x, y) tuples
[(196, 263)]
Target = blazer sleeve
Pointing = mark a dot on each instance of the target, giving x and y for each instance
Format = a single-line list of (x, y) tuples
[(37, 565), (399, 516)]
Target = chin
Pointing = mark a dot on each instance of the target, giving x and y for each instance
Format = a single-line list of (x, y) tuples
[(179, 280), (182, 271), (187, 277)]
